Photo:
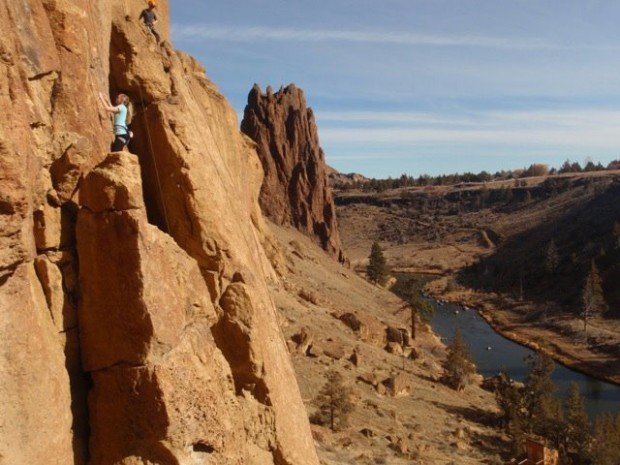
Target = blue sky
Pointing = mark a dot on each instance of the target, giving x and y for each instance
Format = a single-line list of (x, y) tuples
[(425, 86)]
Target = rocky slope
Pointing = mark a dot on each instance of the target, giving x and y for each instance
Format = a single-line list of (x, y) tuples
[(335, 320), (295, 189), (136, 324)]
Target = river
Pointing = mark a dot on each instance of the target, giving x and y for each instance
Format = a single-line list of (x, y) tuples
[(509, 356)]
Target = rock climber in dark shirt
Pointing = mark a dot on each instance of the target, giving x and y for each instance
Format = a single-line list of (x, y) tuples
[(150, 19)]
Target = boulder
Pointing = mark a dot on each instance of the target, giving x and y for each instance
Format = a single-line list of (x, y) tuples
[(399, 335), (303, 341), (114, 185), (333, 349), (351, 320), (398, 385), (370, 378), (394, 348), (369, 328)]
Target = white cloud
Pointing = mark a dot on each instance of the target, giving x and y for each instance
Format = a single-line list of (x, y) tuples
[(395, 117), (579, 129), (252, 34), (571, 118)]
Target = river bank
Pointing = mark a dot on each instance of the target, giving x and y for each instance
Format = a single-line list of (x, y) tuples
[(558, 337), (492, 353)]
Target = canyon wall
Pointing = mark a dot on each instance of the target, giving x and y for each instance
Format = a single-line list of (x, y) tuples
[(295, 190), (136, 323)]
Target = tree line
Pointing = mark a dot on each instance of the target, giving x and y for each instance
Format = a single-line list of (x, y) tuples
[(535, 169)]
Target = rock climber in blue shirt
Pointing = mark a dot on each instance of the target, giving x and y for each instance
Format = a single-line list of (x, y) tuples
[(122, 134)]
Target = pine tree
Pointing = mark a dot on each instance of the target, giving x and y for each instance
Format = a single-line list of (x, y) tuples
[(420, 309), (377, 267), (553, 258), (509, 400), (577, 425), (605, 445), (553, 421), (540, 406), (593, 297), (333, 402), (458, 366)]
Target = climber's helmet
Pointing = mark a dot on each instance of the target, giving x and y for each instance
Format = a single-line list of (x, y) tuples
[(151, 4)]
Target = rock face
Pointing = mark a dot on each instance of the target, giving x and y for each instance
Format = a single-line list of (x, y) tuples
[(295, 190), (136, 324)]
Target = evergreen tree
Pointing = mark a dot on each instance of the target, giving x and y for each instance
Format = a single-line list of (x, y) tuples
[(605, 445), (333, 402), (410, 290), (377, 270), (458, 366), (593, 298), (420, 309), (541, 409), (577, 425), (553, 422), (510, 402), (553, 258)]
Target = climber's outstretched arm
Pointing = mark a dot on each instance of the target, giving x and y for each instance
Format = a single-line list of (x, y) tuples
[(107, 106)]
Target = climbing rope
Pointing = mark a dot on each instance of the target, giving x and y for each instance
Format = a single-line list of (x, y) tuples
[(257, 245), (214, 162), (148, 134)]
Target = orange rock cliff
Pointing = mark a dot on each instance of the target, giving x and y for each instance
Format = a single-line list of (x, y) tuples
[(295, 189), (136, 324)]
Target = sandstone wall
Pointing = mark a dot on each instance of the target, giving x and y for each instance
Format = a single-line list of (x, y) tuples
[(295, 190), (136, 324)]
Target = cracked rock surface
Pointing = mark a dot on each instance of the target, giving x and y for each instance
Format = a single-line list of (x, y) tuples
[(136, 323)]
